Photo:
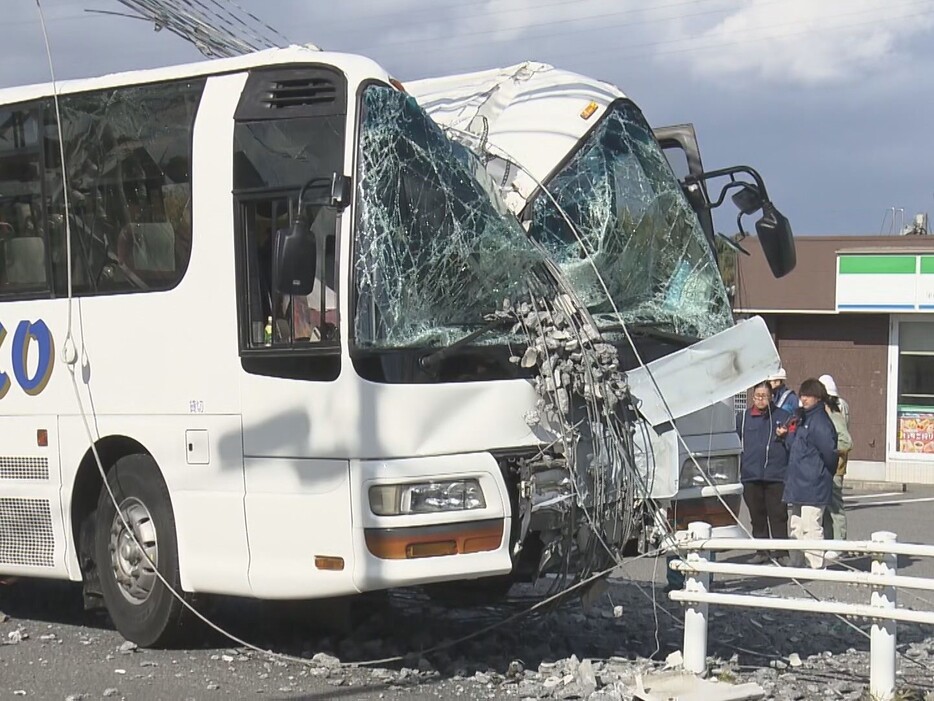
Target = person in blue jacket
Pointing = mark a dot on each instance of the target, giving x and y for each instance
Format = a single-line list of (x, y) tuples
[(782, 395), (762, 468), (812, 463)]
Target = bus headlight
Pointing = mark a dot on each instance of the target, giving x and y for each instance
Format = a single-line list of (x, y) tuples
[(723, 469), (426, 497)]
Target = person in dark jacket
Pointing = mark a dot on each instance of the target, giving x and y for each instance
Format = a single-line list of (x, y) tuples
[(762, 467), (782, 395), (812, 463)]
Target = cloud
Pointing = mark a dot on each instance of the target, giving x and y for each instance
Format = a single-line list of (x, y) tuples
[(804, 42), (725, 42), (795, 41), (728, 42)]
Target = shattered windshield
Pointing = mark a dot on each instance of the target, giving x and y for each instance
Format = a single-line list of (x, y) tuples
[(636, 228), (433, 255)]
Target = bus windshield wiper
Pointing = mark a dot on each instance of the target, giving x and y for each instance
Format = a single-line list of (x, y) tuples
[(430, 360), (652, 330)]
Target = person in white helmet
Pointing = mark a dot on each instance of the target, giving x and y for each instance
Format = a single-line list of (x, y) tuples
[(782, 395), (835, 516)]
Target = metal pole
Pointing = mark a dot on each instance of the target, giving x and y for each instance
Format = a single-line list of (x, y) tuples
[(849, 546), (882, 636), (845, 576), (695, 617)]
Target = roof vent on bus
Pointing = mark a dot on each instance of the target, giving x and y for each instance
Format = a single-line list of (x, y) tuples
[(283, 92), (299, 92)]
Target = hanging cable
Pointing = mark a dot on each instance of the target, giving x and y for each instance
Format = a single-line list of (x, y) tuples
[(70, 353), (501, 153)]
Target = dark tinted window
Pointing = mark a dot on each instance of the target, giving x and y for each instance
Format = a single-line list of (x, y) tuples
[(128, 160), (23, 259), (284, 154), (273, 159)]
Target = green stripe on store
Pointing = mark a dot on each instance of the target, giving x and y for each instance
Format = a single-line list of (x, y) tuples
[(927, 265), (879, 265)]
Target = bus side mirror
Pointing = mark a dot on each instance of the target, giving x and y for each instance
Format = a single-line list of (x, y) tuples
[(777, 240), (341, 191), (294, 260)]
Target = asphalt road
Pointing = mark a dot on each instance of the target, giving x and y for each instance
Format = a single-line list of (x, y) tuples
[(64, 652)]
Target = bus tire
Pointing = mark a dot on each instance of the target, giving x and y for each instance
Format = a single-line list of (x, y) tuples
[(142, 609)]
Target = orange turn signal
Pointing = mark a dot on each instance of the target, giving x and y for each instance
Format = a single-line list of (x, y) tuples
[(328, 562), (435, 541)]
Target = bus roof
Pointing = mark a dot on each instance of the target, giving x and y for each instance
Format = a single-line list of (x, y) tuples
[(534, 112), (351, 63)]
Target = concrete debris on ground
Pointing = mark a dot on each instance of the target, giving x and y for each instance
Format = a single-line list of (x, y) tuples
[(567, 653), (688, 687)]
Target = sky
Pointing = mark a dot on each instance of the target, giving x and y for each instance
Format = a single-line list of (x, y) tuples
[(830, 100)]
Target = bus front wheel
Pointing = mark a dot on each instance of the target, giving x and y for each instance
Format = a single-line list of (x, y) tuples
[(143, 610)]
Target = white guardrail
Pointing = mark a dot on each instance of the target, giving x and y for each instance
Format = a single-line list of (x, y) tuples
[(882, 580)]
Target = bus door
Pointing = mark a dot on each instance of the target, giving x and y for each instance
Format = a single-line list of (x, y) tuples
[(289, 142)]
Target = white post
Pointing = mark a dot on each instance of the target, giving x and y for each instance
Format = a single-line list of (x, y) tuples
[(695, 617), (882, 635)]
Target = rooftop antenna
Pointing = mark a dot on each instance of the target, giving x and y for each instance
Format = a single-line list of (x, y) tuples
[(918, 226), (896, 221)]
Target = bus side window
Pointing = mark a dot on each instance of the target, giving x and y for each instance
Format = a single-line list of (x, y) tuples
[(127, 152), (315, 315), (23, 250), (275, 319), (259, 220), (272, 160)]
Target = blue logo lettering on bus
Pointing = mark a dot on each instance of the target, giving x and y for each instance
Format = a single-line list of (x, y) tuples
[(33, 337)]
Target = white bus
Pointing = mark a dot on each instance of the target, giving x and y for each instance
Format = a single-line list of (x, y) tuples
[(271, 326), (260, 444), (571, 151)]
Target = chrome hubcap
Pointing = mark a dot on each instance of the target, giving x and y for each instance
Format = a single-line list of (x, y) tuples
[(135, 576)]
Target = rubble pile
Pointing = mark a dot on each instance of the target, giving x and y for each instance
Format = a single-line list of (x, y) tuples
[(601, 653)]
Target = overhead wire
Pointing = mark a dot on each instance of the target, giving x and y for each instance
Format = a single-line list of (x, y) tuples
[(501, 153), (215, 29), (579, 6), (577, 18), (103, 473), (70, 356), (630, 340), (353, 21), (452, 45)]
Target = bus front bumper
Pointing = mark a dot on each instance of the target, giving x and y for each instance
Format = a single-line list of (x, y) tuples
[(405, 549)]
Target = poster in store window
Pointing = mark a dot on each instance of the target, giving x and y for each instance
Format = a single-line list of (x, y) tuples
[(916, 430)]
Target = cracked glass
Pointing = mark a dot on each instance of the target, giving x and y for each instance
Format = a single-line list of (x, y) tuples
[(638, 242), (128, 154), (434, 251)]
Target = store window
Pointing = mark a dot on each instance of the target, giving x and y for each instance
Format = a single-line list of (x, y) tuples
[(915, 424)]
